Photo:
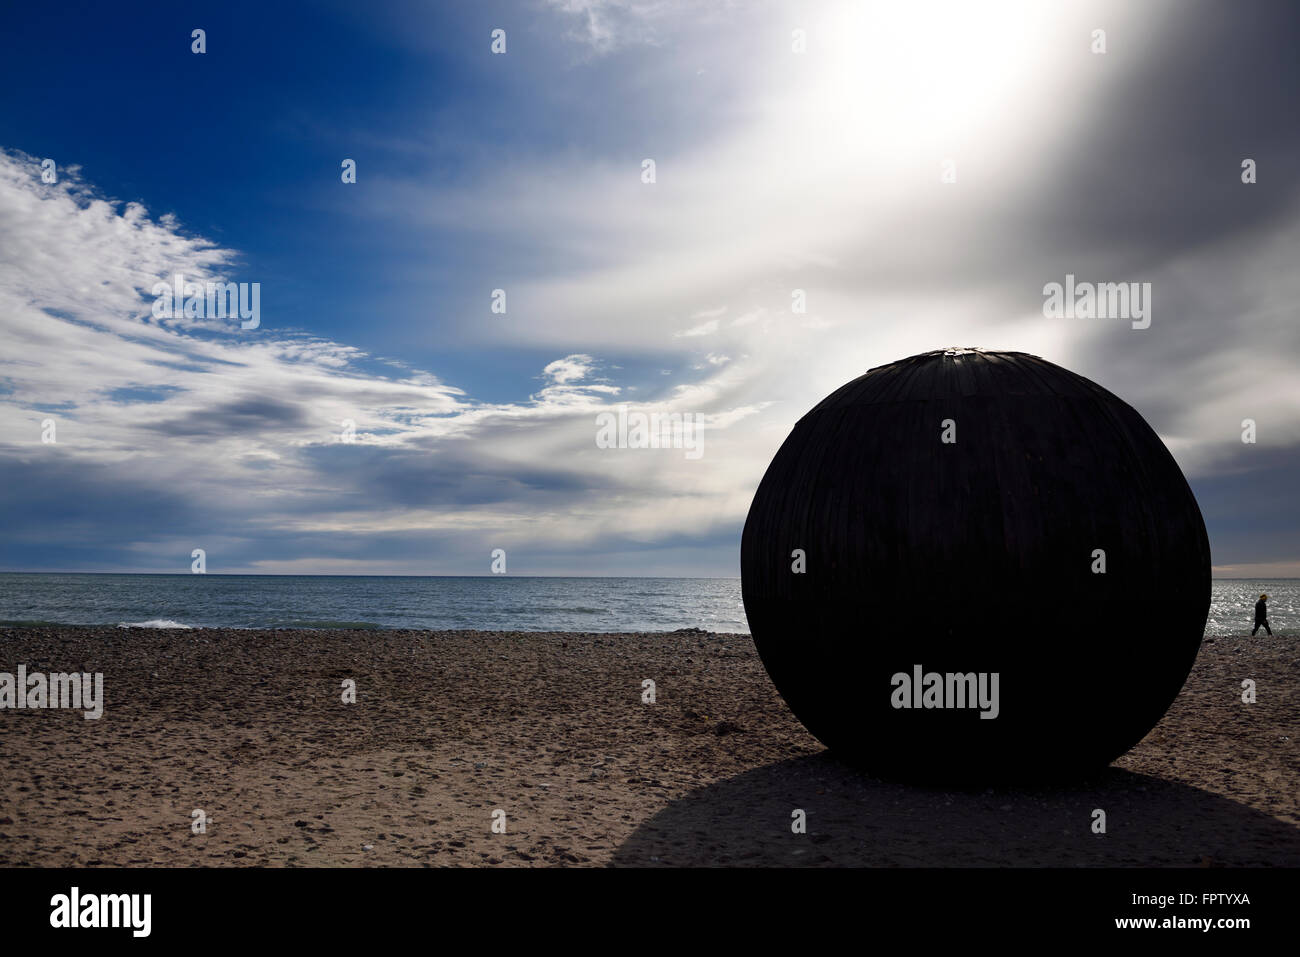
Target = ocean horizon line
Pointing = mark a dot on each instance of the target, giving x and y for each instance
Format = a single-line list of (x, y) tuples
[(1217, 578), (362, 575)]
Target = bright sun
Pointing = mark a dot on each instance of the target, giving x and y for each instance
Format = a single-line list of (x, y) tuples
[(922, 75)]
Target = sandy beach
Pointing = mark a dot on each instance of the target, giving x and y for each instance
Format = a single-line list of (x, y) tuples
[(449, 727)]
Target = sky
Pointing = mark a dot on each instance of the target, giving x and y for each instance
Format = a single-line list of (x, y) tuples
[(917, 171)]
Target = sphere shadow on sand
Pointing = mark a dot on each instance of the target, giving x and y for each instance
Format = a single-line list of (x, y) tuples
[(854, 820)]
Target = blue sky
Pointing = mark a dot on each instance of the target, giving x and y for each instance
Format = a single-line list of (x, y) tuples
[(775, 171), (243, 145)]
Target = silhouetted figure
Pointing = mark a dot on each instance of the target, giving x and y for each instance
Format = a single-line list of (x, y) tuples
[(1261, 616)]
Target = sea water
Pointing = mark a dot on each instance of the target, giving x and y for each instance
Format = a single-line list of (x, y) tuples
[(501, 602)]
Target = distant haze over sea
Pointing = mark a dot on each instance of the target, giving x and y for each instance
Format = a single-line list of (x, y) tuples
[(496, 603)]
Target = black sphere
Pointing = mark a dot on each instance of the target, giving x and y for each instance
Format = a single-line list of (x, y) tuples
[(961, 515)]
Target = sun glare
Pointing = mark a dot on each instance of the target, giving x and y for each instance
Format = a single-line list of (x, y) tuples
[(915, 77)]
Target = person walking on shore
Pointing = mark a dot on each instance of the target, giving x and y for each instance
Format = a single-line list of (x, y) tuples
[(1261, 616)]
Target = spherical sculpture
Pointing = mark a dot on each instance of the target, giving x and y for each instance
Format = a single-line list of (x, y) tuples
[(973, 566)]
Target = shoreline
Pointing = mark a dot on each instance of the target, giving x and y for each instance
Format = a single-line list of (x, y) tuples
[(248, 726), (359, 626)]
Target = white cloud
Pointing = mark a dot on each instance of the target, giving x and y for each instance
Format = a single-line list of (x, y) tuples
[(703, 329), (247, 425), (569, 369), (605, 26), (710, 313)]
